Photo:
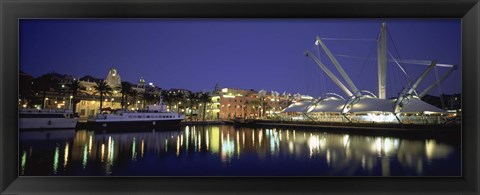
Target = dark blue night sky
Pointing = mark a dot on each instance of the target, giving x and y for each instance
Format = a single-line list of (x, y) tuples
[(255, 54)]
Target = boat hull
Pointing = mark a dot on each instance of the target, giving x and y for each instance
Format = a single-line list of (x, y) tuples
[(47, 123), (131, 125)]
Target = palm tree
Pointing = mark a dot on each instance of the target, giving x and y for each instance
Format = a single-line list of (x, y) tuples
[(192, 99), (168, 98), (205, 98), (103, 89), (147, 97), (125, 90), (75, 90), (134, 94), (179, 97), (43, 84)]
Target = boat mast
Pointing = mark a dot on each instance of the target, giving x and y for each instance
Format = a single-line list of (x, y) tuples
[(382, 62)]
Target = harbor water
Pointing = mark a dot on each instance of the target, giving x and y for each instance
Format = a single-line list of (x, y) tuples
[(226, 150)]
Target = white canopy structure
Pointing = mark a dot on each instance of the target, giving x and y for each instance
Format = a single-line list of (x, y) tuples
[(364, 105), (359, 102)]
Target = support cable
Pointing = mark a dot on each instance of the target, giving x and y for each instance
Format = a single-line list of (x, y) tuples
[(342, 39)]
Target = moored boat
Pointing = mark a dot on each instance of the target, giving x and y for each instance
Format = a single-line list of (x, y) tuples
[(154, 117), (46, 119)]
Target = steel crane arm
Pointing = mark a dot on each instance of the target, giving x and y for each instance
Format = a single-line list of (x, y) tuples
[(404, 97), (329, 73), (420, 79), (429, 88), (338, 66)]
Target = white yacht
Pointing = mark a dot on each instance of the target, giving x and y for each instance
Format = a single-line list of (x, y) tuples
[(154, 116), (46, 119)]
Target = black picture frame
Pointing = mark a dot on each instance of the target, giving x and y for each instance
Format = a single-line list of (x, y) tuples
[(12, 10)]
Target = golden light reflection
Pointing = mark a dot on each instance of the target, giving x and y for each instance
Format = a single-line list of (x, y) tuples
[(290, 147), (111, 152), (181, 140), (207, 142), (294, 138), (178, 146), (90, 144), (363, 162), (143, 146), (65, 155), (346, 140), (199, 141), (260, 136), (215, 140), (253, 138), (102, 152), (238, 144), (243, 139), (313, 144), (328, 157)]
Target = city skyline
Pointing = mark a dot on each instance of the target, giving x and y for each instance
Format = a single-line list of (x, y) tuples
[(248, 54)]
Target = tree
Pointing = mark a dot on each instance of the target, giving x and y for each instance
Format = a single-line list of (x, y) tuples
[(103, 89), (205, 98), (192, 100), (75, 89), (134, 94), (44, 84), (179, 97), (125, 90), (168, 98), (147, 98)]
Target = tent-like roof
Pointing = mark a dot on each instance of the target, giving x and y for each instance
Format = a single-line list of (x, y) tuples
[(298, 107), (416, 105), (370, 105), (334, 105), (365, 105)]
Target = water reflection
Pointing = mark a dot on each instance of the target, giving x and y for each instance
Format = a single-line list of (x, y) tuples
[(221, 148)]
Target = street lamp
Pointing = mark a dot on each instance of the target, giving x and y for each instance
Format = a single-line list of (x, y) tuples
[(45, 102), (70, 103)]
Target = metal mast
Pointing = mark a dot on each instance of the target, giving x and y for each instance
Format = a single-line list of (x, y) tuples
[(438, 82), (404, 97), (382, 62), (339, 68), (329, 73)]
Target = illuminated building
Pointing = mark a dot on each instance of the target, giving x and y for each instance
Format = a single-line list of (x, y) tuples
[(231, 103)]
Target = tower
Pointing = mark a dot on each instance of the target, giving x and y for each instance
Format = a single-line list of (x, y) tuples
[(382, 62), (113, 78)]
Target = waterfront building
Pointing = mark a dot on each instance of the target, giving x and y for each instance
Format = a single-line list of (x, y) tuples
[(232, 103), (89, 102)]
